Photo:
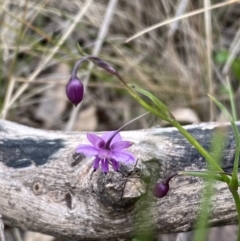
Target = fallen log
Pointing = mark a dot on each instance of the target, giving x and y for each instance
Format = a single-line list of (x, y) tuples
[(46, 187)]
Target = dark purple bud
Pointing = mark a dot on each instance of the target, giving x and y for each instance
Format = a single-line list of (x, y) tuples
[(161, 189), (75, 90)]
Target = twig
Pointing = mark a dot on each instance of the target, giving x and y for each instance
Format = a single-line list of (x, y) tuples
[(201, 10), (181, 8), (208, 31)]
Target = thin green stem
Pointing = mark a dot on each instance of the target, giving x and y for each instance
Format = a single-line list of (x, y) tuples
[(139, 99), (232, 101), (142, 102), (201, 150), (237, 204), (234, 181), (206, 174), (121, 128)]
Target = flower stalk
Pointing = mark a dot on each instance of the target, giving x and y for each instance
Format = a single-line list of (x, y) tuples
[(201, 150)]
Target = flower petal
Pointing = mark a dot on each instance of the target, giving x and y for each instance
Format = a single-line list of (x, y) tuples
[(105, 167), (87, 150), (115, 165), (96, 163), (123, 156), (116, 146), (106, 136), (96, 141)]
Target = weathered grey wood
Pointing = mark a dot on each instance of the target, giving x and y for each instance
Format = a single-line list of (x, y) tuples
[(2, 236), (46, 187)]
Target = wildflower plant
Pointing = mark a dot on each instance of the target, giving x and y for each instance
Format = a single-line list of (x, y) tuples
[(109, 148)]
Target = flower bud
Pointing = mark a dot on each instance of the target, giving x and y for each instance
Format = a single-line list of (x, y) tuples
[(161, 189), (75, 90)]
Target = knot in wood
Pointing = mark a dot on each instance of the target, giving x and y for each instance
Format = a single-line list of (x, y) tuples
[(37, 188), (117, 191)]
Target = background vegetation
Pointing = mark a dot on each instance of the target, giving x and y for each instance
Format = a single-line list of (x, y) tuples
[(180, 62)]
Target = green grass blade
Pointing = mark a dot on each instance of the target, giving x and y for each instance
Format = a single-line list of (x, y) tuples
[(201, 232), (204, 174)]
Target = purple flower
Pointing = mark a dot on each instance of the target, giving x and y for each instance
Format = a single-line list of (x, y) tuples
[(75, 90), (107, 149)]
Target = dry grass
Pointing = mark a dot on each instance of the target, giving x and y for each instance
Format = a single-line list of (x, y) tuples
[(175, 60)]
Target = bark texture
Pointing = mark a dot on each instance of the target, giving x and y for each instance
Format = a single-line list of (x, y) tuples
[(46, 187)]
